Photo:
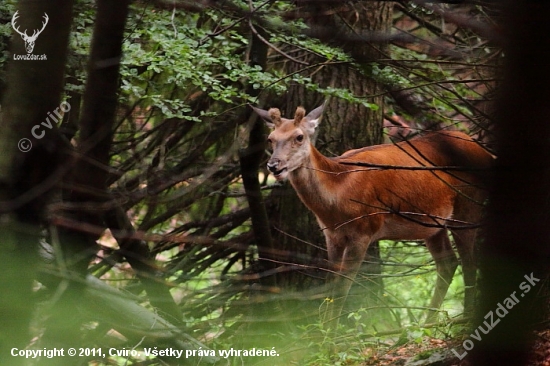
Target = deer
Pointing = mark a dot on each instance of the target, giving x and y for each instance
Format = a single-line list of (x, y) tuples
[(411, 190), (29, 40)]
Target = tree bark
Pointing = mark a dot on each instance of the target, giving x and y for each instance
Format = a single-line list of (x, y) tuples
[(33, 90), (344, 126), (87, 180), (250, 159), (517, 231)]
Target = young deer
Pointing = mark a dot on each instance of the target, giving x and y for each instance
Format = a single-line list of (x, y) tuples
[(413, 190)]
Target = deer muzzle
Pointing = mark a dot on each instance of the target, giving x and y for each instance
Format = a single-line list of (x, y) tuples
[(277, 168)]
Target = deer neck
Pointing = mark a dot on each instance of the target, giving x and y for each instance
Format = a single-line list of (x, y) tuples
[(315, 179)]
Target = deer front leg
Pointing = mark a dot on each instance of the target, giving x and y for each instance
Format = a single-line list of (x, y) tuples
[(345, 261)]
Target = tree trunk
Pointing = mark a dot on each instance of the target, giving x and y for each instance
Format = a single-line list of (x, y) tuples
[(514, 255), (33, 90), (250, 159), (344, 126), (86, 181)]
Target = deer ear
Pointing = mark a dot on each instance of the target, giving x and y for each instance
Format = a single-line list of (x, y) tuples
[(312, 120), (316, 113), (309, 126), (271, 118)]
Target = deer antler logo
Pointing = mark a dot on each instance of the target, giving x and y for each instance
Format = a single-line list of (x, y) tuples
[(29, 40)]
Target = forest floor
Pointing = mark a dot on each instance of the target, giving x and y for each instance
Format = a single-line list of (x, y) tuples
[(437, 352)]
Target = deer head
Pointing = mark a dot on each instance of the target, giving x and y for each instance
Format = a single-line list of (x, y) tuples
[(29, 40), (290, 138)]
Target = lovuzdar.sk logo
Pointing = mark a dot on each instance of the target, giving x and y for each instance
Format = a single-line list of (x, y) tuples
[(29, 40)]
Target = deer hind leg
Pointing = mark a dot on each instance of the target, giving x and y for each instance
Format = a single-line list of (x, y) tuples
[(346, 261), (446, 262), (465, 243), (468, 208), (465, 239)]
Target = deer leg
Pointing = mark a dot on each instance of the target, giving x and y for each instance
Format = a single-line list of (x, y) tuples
[(334, 284), (346, 261), (469, 211), (465, 243), (446, 262)]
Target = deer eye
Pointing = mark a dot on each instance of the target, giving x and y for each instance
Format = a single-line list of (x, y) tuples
[(269, 141), (300, 138)]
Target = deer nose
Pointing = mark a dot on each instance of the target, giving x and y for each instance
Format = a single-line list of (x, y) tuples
[(272, 165)]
